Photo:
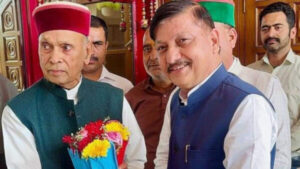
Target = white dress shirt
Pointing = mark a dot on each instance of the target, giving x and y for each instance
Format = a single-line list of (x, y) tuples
[(115, 80), (249, 141), (20, 148), (289, 75), (270, 86)]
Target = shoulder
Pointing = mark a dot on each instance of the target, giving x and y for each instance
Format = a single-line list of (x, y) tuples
[(253, 72), (5, 83), (235, 84), (30, 92), (256, 65), (297, 63), (137, 90), (120, 82), (7, 88), (28, 98), (96, 86), (263, 81), (257, 75)]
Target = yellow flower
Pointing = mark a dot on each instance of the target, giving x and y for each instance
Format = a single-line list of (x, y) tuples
[(117, 127), (97, 148)]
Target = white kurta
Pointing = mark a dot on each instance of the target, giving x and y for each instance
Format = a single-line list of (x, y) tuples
[(115, 80), (289, 75), (20, 148), (249, 141), (270, 86)]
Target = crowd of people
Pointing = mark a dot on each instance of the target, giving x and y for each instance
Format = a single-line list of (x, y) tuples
[(199, 107)]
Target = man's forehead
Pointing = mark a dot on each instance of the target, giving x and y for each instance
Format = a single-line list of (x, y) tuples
[(183, 31), (273, 18), (97, 30), (147, 39), (63, 35), (97, 33)]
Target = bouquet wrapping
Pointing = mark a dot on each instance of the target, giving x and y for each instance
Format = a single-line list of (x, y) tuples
[(98, 145)]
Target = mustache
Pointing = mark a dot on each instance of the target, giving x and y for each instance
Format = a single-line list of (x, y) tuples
[(268, 39), (153, 63), (177, 64), (94, 58)]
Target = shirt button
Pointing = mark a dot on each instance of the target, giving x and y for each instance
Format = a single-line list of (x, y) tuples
[(164, 95)]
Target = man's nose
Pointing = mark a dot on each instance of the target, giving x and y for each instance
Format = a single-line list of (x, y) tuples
[(272, 32), (153, 55), (173, 54), (56, 56)]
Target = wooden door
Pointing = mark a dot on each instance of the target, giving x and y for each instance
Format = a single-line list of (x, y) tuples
[(119, 59), (251, 42), (10, 42)]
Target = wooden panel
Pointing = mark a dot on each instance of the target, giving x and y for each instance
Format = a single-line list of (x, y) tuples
[(10, 43), (296, 41), (14, 73), (297, 9)]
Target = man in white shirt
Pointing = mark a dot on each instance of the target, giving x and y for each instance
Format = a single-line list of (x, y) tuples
[(96, 70), (215, 120), (277, 29), (35, 121), (268, 84)]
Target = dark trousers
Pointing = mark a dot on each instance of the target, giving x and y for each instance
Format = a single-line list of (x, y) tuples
[(2, 161)]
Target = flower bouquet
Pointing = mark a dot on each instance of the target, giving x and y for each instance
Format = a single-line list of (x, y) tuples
[(98, 145)]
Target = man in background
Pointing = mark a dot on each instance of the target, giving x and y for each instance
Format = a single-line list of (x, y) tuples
[(149, 98), (7, 91), (96, 70), (222, 13), (277, 29)]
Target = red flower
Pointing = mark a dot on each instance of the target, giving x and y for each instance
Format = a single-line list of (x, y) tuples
[(94, 129), (67, 139), (84, 142)]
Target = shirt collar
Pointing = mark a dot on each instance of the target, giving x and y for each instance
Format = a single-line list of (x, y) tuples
[(105, 74), (289, 59), (184, 100), (149, 85), (72, 93), (235, 67)]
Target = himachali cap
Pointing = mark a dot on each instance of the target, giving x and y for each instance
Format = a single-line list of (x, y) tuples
[(220, 10), (62, 16)]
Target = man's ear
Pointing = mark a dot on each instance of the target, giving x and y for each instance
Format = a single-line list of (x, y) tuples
[(106, 45), (232, 37), (293, 32), (88, 52), (215, 41)]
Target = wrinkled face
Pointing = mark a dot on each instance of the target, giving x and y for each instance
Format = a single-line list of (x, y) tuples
[(150, 58), (187, 52), (99, 49), (275, 33), (62, 55)]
